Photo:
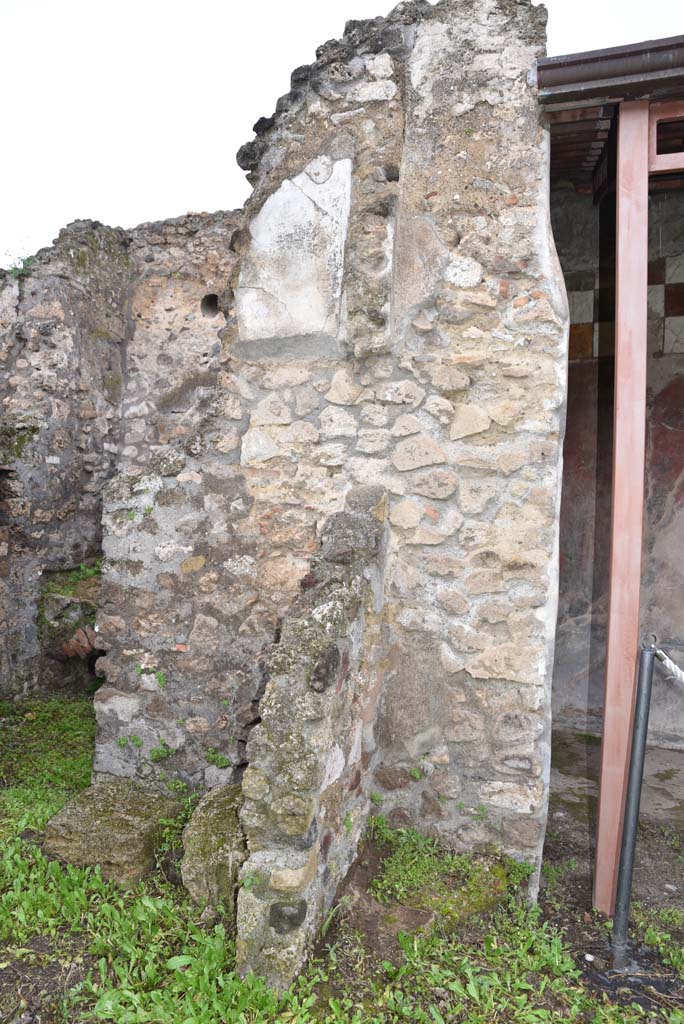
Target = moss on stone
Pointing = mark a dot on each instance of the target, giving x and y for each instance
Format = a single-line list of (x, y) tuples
[(112, 385), (13, 441), (214, 848), (116, 825), (304, 639)]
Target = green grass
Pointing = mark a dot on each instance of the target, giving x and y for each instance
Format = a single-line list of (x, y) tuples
[(663, 929), (418, 872), (46, 752), (151, 960)]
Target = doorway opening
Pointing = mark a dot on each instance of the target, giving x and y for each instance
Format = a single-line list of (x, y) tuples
[(617, 207)]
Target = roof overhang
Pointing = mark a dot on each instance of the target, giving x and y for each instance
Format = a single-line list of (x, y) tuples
[(649, 70), (580, 94)]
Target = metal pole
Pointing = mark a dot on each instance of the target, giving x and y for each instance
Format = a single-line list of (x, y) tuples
[(631, 820)]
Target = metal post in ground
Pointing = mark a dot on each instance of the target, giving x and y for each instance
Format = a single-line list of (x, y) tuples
[(633, 799)]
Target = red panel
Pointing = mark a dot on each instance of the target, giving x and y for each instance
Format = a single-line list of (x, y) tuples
[(628, 489), (674, 299)]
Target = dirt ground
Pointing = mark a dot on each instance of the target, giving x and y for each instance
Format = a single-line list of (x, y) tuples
[(658, 883), (365, 931)]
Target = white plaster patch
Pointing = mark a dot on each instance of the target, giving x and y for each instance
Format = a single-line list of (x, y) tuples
[(123, 706), (168, 551), (291, 279), (463, 272), (431, 40), (380, 66), (334, 766), (372, 92), (257, 446)]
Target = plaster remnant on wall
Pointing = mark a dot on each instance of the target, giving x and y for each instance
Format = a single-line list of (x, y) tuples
[(291, 280)]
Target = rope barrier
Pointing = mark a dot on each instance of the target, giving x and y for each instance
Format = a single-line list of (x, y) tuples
[(673, 669)]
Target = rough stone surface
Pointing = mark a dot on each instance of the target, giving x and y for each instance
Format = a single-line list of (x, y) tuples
[(304, 803), (214, 848), (62, 330), (115, 825)]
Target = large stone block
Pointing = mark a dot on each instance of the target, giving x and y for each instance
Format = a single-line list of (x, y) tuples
[(115, 825), (214, 848)]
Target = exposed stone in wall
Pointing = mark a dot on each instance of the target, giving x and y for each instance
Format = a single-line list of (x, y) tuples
[(305, 804), (181, 672), (585, 238), (214, 848), (62, 338), (449, 393), (455, 399), (479, 331), (106, 355), (463, 402), (118, 825)]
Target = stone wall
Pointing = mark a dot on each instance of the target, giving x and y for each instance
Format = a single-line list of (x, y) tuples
[(181, 671), (331, 541), (63, 325), (435, 368), (585, 238), (108, 358)]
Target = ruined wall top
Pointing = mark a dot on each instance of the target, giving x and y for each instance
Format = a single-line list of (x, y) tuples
[(339, 71)]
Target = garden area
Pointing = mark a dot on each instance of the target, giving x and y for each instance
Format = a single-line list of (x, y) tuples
[(419, 934)]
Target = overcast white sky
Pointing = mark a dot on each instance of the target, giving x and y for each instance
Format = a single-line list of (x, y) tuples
[(133, 110)]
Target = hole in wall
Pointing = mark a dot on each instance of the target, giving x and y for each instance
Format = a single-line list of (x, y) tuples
[(209, 306)]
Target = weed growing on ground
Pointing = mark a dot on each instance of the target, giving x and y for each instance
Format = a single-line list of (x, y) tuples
[(663, 929), (45, 757), (148, 959), (553, 873), (420, 873)]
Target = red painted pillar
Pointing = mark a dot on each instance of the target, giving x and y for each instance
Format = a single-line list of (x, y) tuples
[(628, 490)]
